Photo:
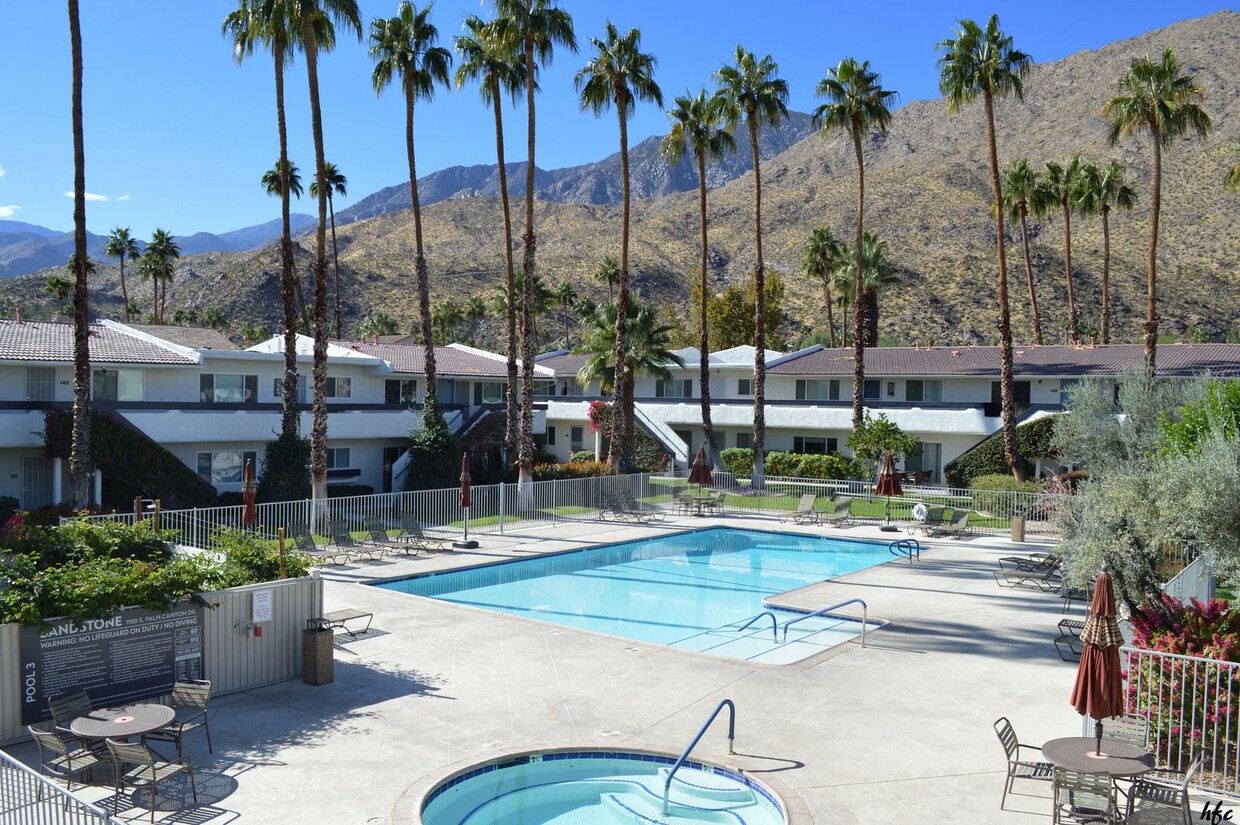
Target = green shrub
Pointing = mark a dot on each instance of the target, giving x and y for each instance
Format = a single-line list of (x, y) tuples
[(583, 455), (249, 559), (434, 452), (573, 469), (8, 506), (1032, 440), (737, 460), (782, 464), (282, 475), (828, 466), (988, 491)]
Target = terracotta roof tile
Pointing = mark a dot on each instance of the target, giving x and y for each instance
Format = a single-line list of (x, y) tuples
[(449, 360)]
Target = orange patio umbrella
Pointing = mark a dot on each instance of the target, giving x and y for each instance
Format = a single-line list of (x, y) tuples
[(888, 485), (1098, 690), (249, 496), (699, 473)]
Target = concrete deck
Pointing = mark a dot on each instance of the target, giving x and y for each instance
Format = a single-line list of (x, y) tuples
[(898, 732)]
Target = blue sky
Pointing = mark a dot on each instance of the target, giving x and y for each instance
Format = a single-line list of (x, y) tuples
[(177, 134)]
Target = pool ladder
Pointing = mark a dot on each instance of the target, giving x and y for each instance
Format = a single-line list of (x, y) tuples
[(865, 610), (726, 703), (907, 548)]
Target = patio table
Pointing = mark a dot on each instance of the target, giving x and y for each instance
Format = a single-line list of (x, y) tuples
[(122, 722), (1119, 759)]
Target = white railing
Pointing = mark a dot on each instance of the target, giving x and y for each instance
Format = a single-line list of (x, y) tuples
[(1191, 705), (27, 798)]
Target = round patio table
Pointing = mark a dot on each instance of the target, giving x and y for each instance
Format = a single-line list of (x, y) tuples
[(122, 722), (1119, 759)]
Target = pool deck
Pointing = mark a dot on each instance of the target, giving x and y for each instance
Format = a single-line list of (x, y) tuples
[(897, 732)]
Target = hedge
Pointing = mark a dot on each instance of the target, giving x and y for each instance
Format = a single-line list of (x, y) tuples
[(988, 491), (127, 455), (1032, 439), (573, 469), (829, 466)]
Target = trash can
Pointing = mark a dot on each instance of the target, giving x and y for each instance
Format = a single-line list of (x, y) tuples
[(317, 654), (1018, 529)]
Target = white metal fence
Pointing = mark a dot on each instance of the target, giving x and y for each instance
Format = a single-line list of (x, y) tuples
[(27, 798), (1194, 581)]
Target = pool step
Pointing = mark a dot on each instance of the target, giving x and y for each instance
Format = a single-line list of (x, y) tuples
[(694, 785), (634, 809)]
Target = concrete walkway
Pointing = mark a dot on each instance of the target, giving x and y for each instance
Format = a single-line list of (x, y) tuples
[(898, 732)]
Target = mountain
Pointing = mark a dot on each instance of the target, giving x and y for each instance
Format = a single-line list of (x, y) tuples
[(7, 227), (592, 183), (253, 237), (928, 196)]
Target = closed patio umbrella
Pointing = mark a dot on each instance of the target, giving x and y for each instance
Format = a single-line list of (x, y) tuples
[(249, 496), (699, 473), (465, 496), (888, 485), (1098, 690)]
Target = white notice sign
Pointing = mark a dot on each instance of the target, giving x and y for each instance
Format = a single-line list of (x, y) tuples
[(261, 606)]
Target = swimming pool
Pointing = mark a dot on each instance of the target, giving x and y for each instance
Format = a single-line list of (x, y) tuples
[(689, 590)]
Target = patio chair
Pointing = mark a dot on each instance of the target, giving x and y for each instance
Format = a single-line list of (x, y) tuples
[(1047, 581), (411, 532), (1018, 768), (342, 537), (304, 542), (683, 504), (1132, 728), (840, 512), (144, 771), (1082, 797), (1034, 563), (1154, 801), (63, 758), (718, 505), (379, 538), (1081, 594), (630, 503), (932, 521), (1069, 638), (189, 700), (66, 707), (958, 526), (804, 512)]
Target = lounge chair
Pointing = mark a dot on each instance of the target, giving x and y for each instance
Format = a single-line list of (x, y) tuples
[(1018, 767), (411, 532), (616, 505), (932, 521), (630, 503), (958, 526), (1048, 581), (304, 542), (840, 512), (379, 537), (1069, 639), (1032, 563), (804, 512)]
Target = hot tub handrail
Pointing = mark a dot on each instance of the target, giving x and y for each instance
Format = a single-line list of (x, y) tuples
[(774, 624), (864, 615), (731, 706)]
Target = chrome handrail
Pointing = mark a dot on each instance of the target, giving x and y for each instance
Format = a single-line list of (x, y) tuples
[(731, 706), (905, 547), (864, 614), (774, 624)]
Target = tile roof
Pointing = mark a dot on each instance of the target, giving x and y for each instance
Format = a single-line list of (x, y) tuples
[(43, 341), (450, 360), (1176, 360), (565, 365), (192, 337)]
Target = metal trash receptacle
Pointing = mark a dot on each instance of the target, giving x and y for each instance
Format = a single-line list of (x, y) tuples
[(317, 653), (1018, 528)]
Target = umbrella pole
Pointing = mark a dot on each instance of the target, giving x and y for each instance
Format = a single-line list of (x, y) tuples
[(466, 511), (1098, 737)]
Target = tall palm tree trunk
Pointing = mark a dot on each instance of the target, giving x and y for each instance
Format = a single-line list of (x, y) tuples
[(290, 416), (419, 254), (827, 301), (79, 455), (510, 307), (708, 427), (759, 333), (871, 318), (154, 298), (1074, 332), (1010, 452), (1105, 321), (1151, 283), (331, 211), (525, 450), (124, 291), (622, 427), (318, 427), (859, 291), (1033, 294)]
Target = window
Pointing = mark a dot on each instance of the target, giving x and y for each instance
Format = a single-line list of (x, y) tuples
[(40, 383), (1020, 392), (575, 437), (225, 388), (400, 391), (814, 444), (818, 390), (929, 461), (488, 392), (744, 440), (225, 467), (871, 389), (339, 386), (675, 388), (543, 389), (277, 388), (337, 458), (116, 385), (551, 436), (744, 386), (923, 390)]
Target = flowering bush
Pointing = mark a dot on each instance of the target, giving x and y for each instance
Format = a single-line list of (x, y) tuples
[(573, 469)]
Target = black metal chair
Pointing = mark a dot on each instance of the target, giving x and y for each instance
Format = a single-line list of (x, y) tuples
[(1018, 768), (63, 758), (189, 700), (145, 771)]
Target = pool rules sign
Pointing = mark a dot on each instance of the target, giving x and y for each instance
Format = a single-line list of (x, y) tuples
[(131, 655)]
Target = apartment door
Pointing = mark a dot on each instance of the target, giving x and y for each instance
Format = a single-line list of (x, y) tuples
[(36, 482), (930, 461), (390, 456)]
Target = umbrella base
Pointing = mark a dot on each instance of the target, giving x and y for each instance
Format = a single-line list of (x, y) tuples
[(889, 528), (465, 545)]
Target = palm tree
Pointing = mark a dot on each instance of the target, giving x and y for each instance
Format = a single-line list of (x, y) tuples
[(566, 295), (1065, 186), (620, 74), (750, 88), (446, 317), (1232, 180), (608, 272), (856, 103), (213, 317), (273, 181), (273, 184), (313, 17), (880, 274), (1021, 185), (60, 289), (403, 47), (1155, 98), (378, 323), (276, 26), (648, 348), (1103, 190), (159, 264), (486, 57), (337, 184), (697, 127), (79, 455), (121, 245), (819, 259), (983, 62), (533, 28)]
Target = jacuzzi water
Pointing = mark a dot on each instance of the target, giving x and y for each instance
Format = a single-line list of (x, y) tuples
[(598, 788), (689, 590)]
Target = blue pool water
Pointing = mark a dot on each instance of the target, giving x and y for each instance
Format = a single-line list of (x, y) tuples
[(689, 590)]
